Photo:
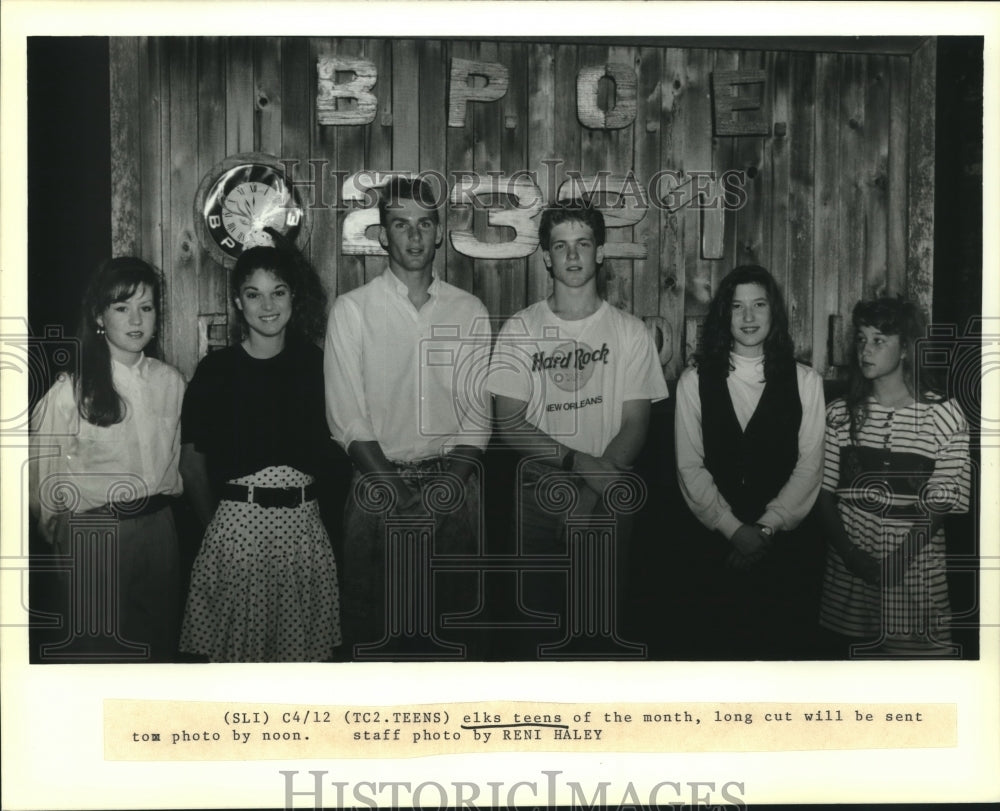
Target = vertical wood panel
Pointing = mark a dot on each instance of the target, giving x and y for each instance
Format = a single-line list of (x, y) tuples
[(350, 156), (748, 152), (267, 94), (801, 201), (460, 159), (513, 159), (406, 100), (212, 294), (433, 124), (704, 280), (646, 133), (920, 241), (826, 262), (851, 216), (619, 159), (240, 101), (297, 100), (487, 122), (325, 236), (676, 100), (595, 146), (541, 147), (154, 96), (378, 135), (899, 100), (183, 260), (876, 157), (126, 189), (567, 132), (777, 158)]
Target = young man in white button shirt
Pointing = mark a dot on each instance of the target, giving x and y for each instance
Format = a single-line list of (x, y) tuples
[(398, 400)]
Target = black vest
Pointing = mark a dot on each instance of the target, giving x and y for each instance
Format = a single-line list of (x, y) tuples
[(750, 467)]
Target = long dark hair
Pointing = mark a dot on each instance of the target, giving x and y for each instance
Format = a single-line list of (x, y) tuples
[(308, 321), (890, 316), (115, 280), (717, 337)]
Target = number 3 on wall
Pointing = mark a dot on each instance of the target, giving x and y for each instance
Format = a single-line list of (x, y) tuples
[(521, 218)]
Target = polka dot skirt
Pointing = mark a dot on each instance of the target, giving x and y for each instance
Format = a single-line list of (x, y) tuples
[(264, 585)]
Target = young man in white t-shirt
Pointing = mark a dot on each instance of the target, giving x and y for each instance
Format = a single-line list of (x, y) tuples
[(573, 379)]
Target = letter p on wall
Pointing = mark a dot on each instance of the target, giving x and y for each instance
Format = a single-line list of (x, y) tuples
[(461, 91)]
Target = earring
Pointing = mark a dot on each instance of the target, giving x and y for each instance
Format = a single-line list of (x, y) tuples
[(100, 330)]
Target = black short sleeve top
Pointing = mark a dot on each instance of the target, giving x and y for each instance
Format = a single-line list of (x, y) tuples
[(246, 414)]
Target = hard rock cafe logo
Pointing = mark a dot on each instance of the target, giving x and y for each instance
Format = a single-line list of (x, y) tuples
[(570, 365)]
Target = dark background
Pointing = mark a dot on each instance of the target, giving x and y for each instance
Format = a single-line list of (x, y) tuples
[(69, 233)]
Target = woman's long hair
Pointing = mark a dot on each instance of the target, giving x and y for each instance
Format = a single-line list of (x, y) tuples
[(115, 280), (717, 337), (308, 321), (890, 316)]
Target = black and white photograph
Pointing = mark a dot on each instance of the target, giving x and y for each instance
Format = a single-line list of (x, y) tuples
[(503, 361)]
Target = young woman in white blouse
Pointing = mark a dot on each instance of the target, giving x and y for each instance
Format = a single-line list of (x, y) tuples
[(106, 441), (749, 439)]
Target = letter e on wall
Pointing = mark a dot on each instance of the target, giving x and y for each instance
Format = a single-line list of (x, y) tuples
[(731, 94)]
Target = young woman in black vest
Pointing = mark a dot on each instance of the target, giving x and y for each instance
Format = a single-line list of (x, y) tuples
[(749, 438)]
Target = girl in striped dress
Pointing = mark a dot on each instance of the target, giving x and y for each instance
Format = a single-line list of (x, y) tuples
[(897, 460)]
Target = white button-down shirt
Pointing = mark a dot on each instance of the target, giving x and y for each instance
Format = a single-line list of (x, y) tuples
[(411, 380), (81, 466)]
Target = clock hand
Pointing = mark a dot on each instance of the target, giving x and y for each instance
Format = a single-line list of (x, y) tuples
[(234, 210)]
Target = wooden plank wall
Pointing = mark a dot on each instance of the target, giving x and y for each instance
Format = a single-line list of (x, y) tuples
[(839, 194)]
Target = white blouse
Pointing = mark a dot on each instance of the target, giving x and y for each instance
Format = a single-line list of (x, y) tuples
[(78, 466)]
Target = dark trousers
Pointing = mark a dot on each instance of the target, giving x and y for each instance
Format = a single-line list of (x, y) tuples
[(768, 610), (119, 596), (552, 506), (392, 603)]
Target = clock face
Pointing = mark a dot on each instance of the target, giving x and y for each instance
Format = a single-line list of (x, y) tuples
[(239, 200)]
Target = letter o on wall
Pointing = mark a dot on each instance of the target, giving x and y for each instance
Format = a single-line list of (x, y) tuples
[(626, 87)]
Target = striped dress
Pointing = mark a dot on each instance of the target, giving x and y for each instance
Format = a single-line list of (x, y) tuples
[(907, 463)]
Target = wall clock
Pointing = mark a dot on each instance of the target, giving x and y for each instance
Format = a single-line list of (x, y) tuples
[(241, 196)]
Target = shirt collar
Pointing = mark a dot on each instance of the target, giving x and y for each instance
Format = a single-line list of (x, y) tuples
[(137, 370), (746, 362), (401, 289)]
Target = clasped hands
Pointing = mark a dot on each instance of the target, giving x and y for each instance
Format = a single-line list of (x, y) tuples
[(750, 545), (409, 495)]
